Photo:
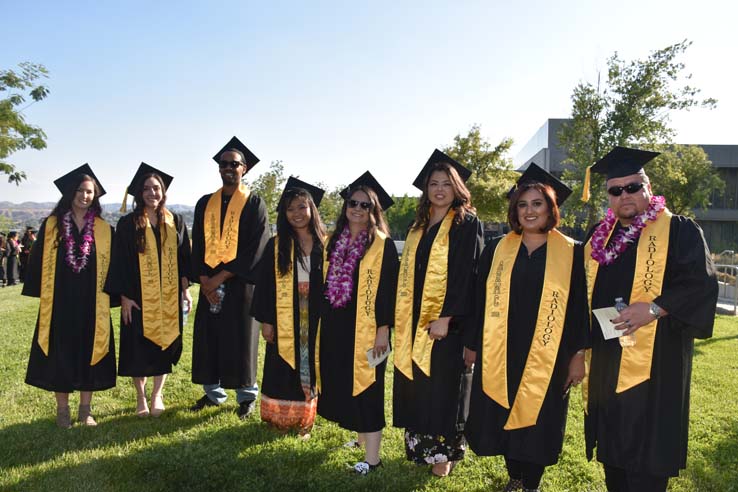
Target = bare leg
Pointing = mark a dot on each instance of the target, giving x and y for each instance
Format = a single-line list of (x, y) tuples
[(142, 409), (63, 417), (372, 441), (157, 402), (85, 413)]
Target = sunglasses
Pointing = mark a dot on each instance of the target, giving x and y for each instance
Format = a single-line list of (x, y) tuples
[(231, 164), (629, 189), (356, 203)]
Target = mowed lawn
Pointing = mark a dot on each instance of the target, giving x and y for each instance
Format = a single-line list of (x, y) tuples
[(213, 450)]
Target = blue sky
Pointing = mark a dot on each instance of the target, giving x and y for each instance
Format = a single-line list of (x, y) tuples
[(329, 88)]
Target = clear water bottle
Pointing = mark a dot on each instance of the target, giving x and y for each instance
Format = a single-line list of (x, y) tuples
[(185, 311), (625, 340), (220, 292)]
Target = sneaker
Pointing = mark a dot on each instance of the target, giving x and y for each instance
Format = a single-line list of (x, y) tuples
[(364, 468), (202, 403), (245, 408)]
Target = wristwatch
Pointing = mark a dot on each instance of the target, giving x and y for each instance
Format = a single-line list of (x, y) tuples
[(655, 311)]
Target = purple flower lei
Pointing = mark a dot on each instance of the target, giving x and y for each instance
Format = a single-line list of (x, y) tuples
[(343, 260), (607, 255), (77, 264)]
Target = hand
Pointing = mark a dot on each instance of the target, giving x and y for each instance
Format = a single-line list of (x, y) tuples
[(126, 305), (208, 286), (438, 329), (576, 370), (267, 331), (381, 341), (633, 317), (469, 357), (187, 297)]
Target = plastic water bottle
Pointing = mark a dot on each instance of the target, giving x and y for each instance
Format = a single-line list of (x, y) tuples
[(220, 292), (185, 311), (625, 340)]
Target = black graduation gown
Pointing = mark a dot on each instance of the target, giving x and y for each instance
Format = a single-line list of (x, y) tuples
[(364, 412), (279, 380), (540, 443), (436, 405), (72, 332), (225, 345), (644, 429), (139, 356)]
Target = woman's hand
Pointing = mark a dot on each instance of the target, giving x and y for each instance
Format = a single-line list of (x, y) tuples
[(267, 331), (381, 341), (438, 329), (187, 297), (126, 305), (576, 370), (470, 356)]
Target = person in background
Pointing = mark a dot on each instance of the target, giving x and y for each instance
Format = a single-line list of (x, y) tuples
[(12, 250), (26, 243)]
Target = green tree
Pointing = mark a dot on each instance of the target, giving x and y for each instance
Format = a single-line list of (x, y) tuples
[(401, 215), (492, 172), (331, 205), (631, 108), (269, 186), (15, 133)]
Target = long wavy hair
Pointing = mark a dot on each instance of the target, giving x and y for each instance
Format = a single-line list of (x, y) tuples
[(64, 204), (139, 211), (376, 218), (285, 230), (461, 204)]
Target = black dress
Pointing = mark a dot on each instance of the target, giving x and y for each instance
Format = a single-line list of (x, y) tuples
[(225, 345), (433, 409), (541, 443), (67, 367), (644, 429), (139, 356), (364, 412)]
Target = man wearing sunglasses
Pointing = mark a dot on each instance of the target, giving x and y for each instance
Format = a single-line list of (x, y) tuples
[(229, 232), (637, 395)]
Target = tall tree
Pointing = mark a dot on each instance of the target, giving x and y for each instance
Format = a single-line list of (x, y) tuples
[(268, 186), (492, 172), (15, 133), (331, 205), (401, 215), (631, 108)]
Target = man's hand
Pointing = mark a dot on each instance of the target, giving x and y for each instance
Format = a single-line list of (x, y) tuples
[(633, 317)]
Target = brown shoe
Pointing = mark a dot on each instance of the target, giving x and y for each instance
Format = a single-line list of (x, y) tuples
[(63, 417), (85, 417)]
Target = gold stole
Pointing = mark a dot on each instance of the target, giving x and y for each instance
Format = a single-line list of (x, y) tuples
[(103, 241), (547, 336), (222, 246), (159, 286), (285, 285), (370, 268), (653, 246), (419, 350)]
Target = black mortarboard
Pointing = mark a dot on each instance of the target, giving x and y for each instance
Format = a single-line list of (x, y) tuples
[(72, 179), (536, 174), (438, 156), (366, 179), (235, 144), (138, 180), (315, 192), (623, 161)]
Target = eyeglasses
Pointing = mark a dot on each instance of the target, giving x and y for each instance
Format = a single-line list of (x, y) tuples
[(231, 164), (356, 203), (629, 189)]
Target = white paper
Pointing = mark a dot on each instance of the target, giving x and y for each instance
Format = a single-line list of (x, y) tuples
[(375, 361), (604, 315)]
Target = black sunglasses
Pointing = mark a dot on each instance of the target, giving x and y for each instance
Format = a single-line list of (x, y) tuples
[(231, 164), (356, 203), (629, 189)]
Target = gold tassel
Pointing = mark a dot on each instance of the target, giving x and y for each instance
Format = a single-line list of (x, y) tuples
[(124, 205), (585, 188)]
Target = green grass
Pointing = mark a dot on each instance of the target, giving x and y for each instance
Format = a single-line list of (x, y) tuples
[(213, 450)]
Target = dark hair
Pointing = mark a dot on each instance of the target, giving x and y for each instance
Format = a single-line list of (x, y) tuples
[(548, 194), (64, 204), (462, 198), (285, 230), (376, 218), (139, 210), (231, 149)]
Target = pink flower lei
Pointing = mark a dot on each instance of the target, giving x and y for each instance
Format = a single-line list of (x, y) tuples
[(343, 260), (607, 255), (78, 263)]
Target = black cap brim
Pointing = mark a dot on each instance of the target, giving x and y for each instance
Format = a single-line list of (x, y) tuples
[(366, 179), (144, 170), (315, 192), (536, 174), (623, 161), (249, 158), (437, 157), (69, 181)]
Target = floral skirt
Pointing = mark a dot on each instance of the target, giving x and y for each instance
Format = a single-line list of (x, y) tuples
[(426, 449)]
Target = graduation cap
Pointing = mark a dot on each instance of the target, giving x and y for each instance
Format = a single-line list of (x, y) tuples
[(138, 180), (619, 162), (536, 174), (366, 179), (315, 192), (235, 144), (72, 179), (436, 157)]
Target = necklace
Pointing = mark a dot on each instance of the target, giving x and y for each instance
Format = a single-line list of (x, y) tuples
[(343, 260), (78, 263)]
